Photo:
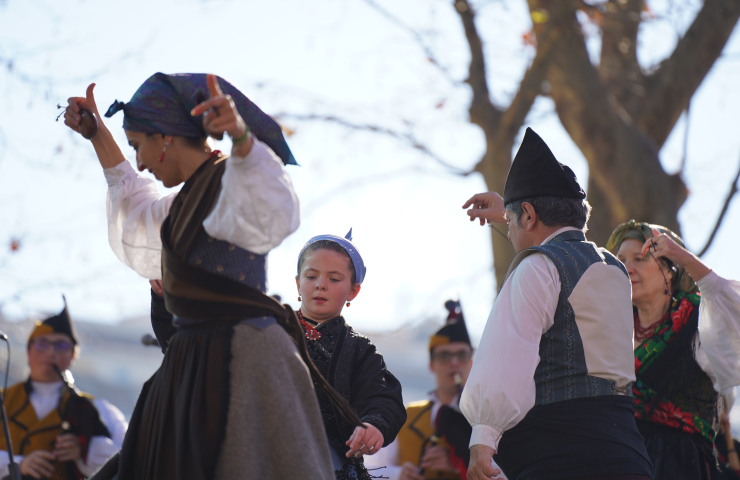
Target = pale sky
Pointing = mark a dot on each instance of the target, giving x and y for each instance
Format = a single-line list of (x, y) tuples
[(332, 57)]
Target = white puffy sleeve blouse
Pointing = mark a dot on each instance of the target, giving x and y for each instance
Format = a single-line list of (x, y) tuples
[(256, 209), (718, 340)]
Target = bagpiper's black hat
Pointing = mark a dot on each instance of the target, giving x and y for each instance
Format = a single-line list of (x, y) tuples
[(60, 323), (454, 329), (535, 172)]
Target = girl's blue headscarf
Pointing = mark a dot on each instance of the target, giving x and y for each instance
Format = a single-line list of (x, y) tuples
[(163, 103), (346, 244)]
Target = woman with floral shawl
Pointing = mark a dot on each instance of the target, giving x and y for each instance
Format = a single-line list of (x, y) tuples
[(687, 348)]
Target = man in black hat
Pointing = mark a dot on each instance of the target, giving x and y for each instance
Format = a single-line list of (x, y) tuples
[(549, 396), (56, 430), (433, 442)]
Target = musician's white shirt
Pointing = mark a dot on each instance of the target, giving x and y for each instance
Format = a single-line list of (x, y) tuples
[(45, 398)]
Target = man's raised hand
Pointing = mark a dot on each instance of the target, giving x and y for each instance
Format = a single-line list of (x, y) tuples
[(486, 207)]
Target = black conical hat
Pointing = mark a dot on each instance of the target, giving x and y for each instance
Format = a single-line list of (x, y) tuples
[(60, 323), (454, 330), (535, 172)]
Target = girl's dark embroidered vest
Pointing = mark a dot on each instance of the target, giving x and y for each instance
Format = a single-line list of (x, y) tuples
[(562, 373)]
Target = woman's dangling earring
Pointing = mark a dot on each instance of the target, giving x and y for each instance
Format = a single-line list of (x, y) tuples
[(161, 156), (348, 304), (299, 298)]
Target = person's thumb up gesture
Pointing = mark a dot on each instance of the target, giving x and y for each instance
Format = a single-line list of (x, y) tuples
[(81, 114)]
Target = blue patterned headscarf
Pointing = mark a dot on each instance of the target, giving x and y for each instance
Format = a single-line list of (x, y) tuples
[(162, 104), (346, 244)]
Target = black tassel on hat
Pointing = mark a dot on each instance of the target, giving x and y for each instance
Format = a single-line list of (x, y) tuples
[(455, 330), (535, 172), (60, 323)]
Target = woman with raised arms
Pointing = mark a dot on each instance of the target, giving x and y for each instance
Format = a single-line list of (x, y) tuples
[(687, 348), (232, 397)]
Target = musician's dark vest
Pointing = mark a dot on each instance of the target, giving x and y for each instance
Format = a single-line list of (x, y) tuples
[(29, 433)]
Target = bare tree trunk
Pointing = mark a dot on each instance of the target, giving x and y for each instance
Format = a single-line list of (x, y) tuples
[(499, 126), (625, 176)]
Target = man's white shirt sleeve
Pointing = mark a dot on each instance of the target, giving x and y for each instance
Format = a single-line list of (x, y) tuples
[(501, 389)]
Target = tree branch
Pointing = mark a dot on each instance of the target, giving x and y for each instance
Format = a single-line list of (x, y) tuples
[(531, 85), (419, 40), (408, 137), (725, 207), (619, 69), (671, 86), (482, 112)]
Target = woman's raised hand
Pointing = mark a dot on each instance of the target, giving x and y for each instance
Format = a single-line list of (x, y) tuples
[(221, 116), (663, 246), (108, 151), (73, 112)]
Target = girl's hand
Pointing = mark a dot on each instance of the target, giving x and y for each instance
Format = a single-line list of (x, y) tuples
[(364, 441), (221, 116), (157, 287), (73, 112)]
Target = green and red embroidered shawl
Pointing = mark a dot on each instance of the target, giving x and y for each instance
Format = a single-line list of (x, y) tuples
[(651, 406)]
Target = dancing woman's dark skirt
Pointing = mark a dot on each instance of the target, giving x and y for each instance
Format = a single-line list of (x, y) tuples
[(229, 401), (677, 455)]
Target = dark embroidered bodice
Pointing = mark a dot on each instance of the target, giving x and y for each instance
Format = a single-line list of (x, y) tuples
[(350, 362), (671, 388), (226, 259), (321, 351)]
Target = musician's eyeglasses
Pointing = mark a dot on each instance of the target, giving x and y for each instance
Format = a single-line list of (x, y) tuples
[(446, 357), (60, 346)]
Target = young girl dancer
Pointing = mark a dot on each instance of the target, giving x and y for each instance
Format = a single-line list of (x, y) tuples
[(330, 273)]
